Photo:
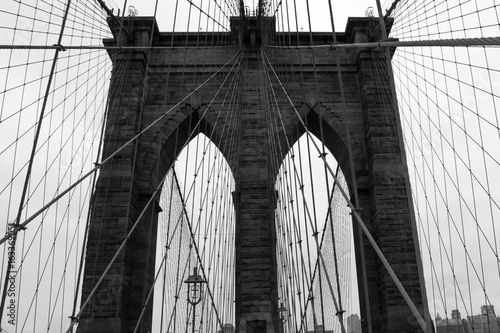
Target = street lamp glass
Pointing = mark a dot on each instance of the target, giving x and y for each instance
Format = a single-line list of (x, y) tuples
[(195, 287)]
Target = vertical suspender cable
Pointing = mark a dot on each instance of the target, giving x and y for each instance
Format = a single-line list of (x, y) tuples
[(94, 180), (33, 152), (383, 28), (372, 241)]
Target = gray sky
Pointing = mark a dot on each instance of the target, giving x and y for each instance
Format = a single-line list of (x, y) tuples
[(452, 113)]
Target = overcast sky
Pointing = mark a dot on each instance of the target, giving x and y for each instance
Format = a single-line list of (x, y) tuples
[(462, 109)]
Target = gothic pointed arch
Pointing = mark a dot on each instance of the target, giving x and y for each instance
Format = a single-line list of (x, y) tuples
[(331, 130), (166, 143)]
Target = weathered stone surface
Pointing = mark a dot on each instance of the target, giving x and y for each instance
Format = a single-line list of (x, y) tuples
[(125, 184)]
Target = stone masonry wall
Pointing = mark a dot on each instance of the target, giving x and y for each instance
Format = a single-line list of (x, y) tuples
[(126, 183)]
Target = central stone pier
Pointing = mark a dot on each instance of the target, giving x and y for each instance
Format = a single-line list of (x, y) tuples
[(147, 81)]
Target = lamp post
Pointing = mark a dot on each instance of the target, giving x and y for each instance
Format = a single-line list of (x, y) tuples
[(282, 316), (195, 289)]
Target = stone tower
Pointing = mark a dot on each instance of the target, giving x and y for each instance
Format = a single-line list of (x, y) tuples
[(125, 185)]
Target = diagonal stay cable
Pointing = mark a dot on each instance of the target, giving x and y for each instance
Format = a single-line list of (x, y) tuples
[(208, 108), (392, 42), (122, 246), (16, 225), (98, 166), (354, 212), (147, 205), (155, 193), (159, 270), (210, 17), (195, 244), (317, 268), (116, 47)]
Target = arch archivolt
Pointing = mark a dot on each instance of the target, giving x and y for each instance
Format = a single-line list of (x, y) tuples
[(327, 123), (160, 148)]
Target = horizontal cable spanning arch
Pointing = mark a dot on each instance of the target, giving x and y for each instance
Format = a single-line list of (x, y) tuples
[(465, 42), (391, 42), (111, 47)]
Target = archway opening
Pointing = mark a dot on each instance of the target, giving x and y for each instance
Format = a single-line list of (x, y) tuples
[(195, 230), (314, 243)]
